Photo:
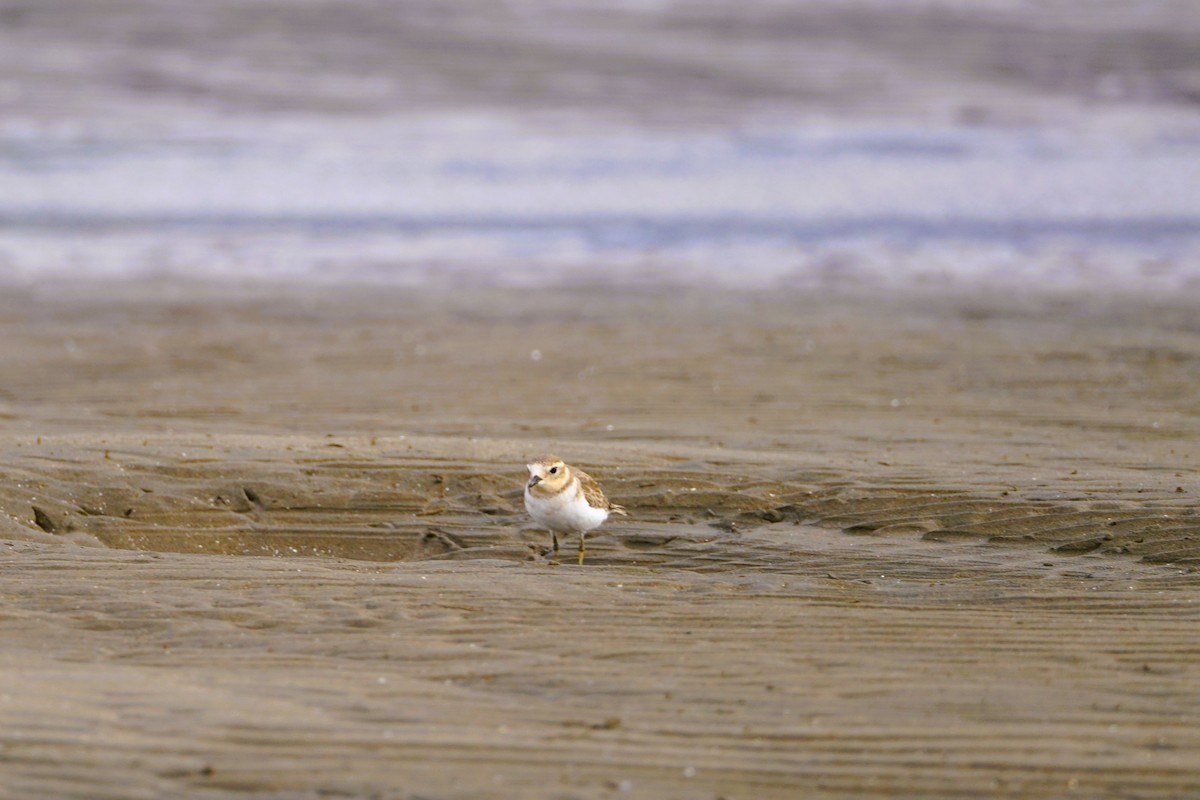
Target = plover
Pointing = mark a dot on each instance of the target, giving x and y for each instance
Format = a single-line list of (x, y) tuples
[(565, 499)]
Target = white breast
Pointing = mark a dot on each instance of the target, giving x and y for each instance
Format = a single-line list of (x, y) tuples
[(566, 512)]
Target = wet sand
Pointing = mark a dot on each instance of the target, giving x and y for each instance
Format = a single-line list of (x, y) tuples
[(270, 543)]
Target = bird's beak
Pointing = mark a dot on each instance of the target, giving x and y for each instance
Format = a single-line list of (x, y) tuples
[(534, 480)]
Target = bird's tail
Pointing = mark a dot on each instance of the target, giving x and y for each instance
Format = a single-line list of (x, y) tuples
[(616, 509)]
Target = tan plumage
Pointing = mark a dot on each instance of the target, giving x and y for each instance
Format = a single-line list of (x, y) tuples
[(565, 499), (594, 494)]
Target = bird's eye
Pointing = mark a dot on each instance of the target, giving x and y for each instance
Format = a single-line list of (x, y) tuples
[(554, 470)]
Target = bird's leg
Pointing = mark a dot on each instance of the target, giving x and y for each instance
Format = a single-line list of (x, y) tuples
[(581, 548), (554, 540)]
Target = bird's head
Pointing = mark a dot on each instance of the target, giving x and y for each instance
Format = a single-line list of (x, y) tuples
[(547, 474)]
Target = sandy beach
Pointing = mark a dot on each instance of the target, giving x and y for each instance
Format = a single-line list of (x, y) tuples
[(880, 319), (270, 543)]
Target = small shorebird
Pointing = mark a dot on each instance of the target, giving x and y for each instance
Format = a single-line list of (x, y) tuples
[(565, 499)]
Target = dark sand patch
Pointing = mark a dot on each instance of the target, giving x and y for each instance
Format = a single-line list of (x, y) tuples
[(382, 501)]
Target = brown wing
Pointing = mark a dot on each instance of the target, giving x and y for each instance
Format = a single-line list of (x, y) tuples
[(594, 494)]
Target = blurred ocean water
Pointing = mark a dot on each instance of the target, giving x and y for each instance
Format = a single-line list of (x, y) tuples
[(148, 179)]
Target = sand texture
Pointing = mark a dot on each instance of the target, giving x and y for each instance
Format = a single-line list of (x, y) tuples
[(271, 544)]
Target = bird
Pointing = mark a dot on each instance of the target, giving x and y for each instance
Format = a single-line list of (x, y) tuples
[(565, 499)]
